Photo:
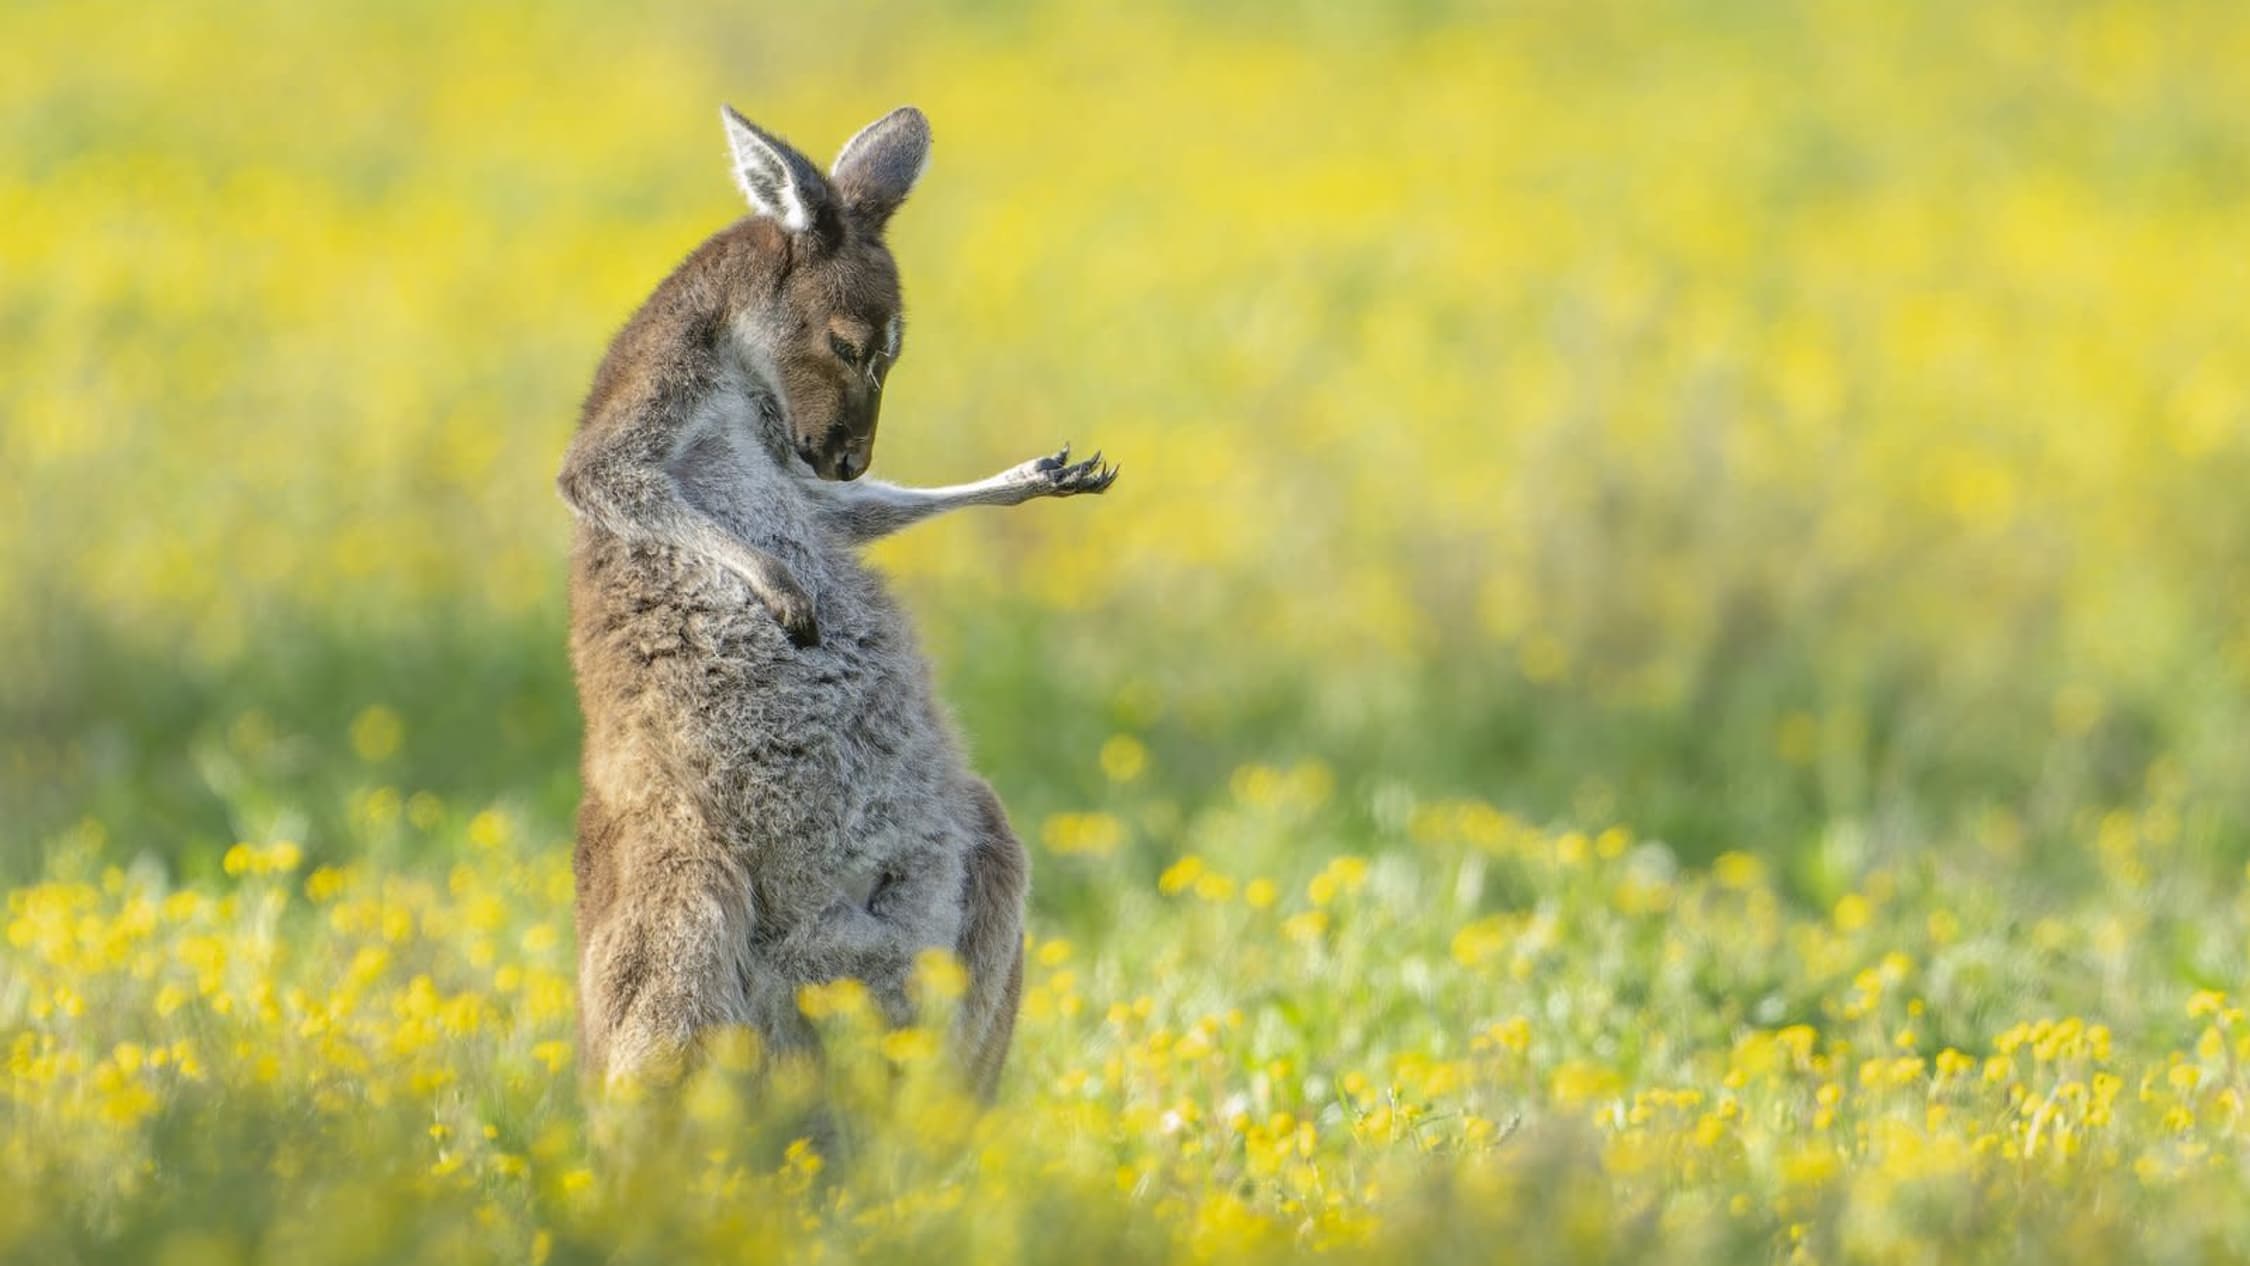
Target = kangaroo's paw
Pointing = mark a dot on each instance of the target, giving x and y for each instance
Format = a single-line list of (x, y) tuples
[(1058, 476), (791, 606)]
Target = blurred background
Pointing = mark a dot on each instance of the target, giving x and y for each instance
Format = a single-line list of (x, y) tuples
[(1817, 430)]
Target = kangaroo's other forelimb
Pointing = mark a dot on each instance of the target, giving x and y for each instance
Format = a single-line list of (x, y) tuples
[(868, 509), (620, 476)]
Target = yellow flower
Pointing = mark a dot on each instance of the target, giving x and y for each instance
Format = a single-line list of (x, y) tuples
[(489, 829), (1215, 888), (1810, 1166), (1576, 1082), (1082, 834), (1481, 940), (1853, 912), (1180, 875), (1340, 877), (940, 975), (377, 733), (910, 1046), (1123, 758), (1739, 871), (846, 998)]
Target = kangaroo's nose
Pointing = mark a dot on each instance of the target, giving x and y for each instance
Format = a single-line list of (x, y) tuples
[(848, 465)]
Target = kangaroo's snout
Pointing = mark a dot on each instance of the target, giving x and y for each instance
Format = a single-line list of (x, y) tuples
[(842, 457)]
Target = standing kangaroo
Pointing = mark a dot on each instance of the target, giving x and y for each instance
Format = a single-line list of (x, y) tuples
[(773, 795)]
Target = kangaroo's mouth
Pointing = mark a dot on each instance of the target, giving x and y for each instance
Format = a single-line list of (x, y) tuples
[(838, 467)]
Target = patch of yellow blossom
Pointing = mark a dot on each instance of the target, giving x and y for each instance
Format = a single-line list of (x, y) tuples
[(423, 1029)]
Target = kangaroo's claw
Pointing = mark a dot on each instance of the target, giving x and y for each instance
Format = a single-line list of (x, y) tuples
[(793, 609), (1058, 476), (1076, 477)]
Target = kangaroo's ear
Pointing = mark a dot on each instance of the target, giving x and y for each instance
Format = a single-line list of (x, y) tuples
[(780, 182), (877, 168)]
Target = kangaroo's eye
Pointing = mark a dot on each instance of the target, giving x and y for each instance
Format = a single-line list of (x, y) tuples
[(845, 352)]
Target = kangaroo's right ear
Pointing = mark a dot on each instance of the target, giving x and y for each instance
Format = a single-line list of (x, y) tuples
[(781, 183)]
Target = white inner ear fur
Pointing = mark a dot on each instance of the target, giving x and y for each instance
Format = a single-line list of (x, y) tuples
[(765, 177)]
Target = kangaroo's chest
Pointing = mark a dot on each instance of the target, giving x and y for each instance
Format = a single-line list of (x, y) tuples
[(727, 472), (858, 783), (834, 763)]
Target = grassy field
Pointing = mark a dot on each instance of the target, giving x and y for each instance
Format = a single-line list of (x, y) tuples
[(1668, 674)]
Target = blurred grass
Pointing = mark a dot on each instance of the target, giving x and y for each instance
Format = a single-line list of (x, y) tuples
[(1765, 425)]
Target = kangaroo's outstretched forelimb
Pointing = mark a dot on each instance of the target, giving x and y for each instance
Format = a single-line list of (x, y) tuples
[(868, 509)]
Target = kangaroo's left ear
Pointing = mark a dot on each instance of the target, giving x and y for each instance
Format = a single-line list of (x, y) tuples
[(877, 168), (780, 182)]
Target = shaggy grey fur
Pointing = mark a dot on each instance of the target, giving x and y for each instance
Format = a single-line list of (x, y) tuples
[(773, 793)]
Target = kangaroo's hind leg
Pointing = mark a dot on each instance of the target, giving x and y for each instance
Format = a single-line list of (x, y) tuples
[(666, 958), (991, 946)]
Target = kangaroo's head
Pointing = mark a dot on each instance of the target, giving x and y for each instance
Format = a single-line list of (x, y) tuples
[(831, 323)]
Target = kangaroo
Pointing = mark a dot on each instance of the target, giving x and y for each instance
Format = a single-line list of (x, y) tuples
[(773, 794)]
